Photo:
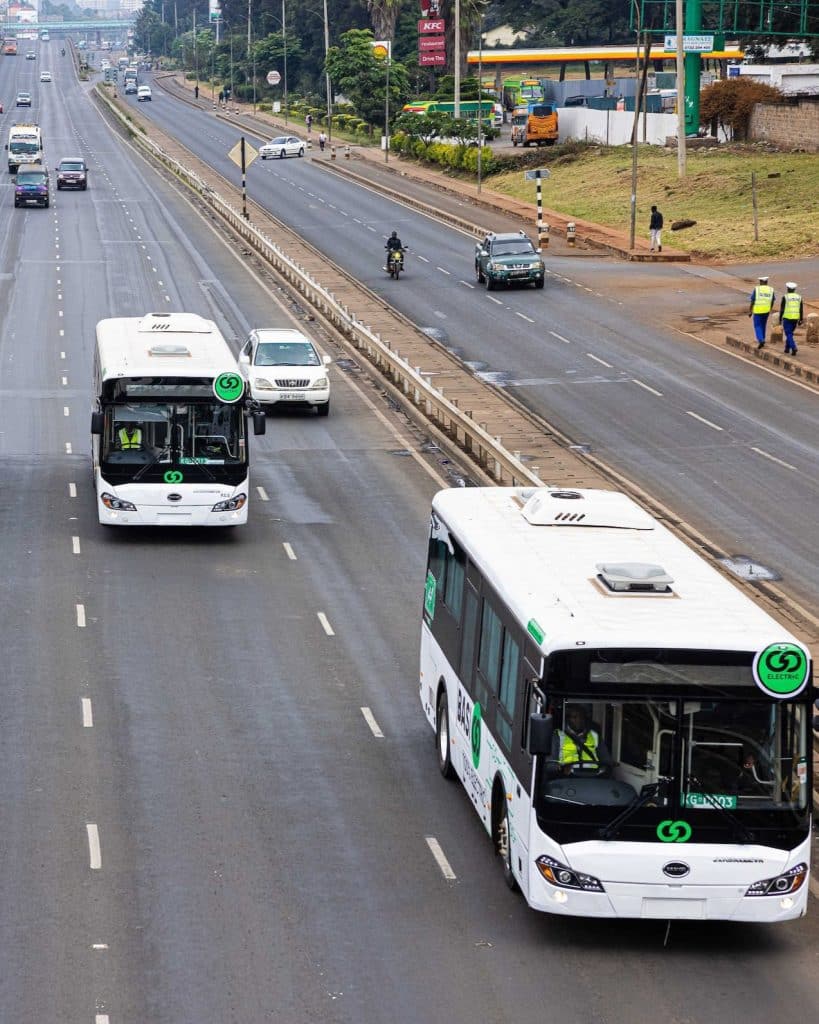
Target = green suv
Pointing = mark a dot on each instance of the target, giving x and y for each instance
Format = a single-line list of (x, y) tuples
[(508, 259)]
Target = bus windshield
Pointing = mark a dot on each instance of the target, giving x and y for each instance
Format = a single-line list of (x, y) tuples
[(202, 440), (704, 747)]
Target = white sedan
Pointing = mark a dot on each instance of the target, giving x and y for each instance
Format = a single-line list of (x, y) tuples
[(282, 146), (45, 76)]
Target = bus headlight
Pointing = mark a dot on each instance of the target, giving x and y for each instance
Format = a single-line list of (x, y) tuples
[(231, 505), (559, 875), (116, 504), (781, 884)]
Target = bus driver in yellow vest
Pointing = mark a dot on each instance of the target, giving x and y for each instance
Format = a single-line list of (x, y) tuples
[(129, 438), (578, 746)]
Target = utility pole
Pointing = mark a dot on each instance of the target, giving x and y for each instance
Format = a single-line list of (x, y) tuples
[(457, 110), (327, 76), (284, 46), (680, 91)]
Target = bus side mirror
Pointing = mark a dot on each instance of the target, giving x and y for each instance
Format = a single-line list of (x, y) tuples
[(541, 734), (259, 423), (97, 422)]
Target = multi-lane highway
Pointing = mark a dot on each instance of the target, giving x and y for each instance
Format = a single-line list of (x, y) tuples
[(718, 441), (217, 785)]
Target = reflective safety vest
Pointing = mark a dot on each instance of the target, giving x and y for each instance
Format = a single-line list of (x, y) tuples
[(130, 438), (572, 750), (763, 298), (793, 304)]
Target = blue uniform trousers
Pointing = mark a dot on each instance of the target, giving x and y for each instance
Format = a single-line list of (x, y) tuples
[(788, 327), (760, 325)]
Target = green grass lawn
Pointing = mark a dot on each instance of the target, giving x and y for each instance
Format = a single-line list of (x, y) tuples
[(595, 185)]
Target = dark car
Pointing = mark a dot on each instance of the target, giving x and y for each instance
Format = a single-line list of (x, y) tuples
[(31, 186), (508, 259), (72, 172), (23, 99)]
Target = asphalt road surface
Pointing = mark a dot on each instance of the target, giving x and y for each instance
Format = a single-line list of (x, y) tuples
[(201, 824)]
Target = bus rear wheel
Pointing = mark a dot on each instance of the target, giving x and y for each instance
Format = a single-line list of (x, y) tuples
[(442, 738)]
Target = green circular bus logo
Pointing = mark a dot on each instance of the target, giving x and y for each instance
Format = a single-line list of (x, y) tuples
[(173, 476), (781, 670), (475, 734), (674, 831), (229, 387)]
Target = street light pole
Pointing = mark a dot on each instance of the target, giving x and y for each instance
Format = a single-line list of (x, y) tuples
[(480, 98), (457, 110), (327, 75), (284, 45), (387, 107)]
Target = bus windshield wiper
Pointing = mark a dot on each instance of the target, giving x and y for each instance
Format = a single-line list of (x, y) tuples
[(640, 800), (152, 462), (746, 836)]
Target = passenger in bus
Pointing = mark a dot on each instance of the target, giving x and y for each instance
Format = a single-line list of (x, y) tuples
[(578, 746)]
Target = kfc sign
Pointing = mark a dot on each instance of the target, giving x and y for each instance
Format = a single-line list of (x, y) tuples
[(436, 25), (432, 42), (435, 59)]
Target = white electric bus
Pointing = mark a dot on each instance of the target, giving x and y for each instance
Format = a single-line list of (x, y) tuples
[(632, 729), (169, 435)]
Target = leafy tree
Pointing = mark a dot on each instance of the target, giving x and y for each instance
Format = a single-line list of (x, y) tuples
[(362, 78), (731, 102)]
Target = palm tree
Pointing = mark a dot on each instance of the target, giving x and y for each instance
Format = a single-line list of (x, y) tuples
[(383, 15)]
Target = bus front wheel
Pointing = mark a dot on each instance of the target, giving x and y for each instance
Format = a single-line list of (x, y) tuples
[(442, 737), (503, 846)]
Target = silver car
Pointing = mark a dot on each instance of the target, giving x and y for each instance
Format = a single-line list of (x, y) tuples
[(283, 367), (282, 146)]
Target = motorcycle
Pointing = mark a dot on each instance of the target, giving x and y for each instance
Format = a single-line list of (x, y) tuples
[(395, 262), (62, 52)]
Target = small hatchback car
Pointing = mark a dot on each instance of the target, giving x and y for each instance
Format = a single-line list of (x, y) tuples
[(72, 172), (284, 367), (508, 259), (31, 186)]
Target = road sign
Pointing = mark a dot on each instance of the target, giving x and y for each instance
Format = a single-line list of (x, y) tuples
[(691, 44), (541, 172), (436, 58), (273, 77), (236, 154)]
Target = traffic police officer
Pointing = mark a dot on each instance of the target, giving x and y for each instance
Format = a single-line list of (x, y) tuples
[(762, 300), (790, 315)]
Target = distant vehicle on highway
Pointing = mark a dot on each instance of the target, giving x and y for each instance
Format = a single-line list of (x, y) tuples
[(31, 186), (508, 259), (282, 146), (284, 367), (72, 172), (31, 55), (144, 93), (23, 99), (45, 76), (130, 87)]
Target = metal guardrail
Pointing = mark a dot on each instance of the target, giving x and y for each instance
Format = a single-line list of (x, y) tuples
[(502, 465)]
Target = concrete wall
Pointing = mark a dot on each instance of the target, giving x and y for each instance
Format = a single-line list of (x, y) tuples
[(790, 127), (613, 127)]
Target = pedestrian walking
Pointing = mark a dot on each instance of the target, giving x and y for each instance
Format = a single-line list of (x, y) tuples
[(762, 300), (322, 141), (791, 313), (309, 122), (196, 92), (221, 97), (655, 228)]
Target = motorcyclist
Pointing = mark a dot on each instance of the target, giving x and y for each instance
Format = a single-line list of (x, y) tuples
[(394, 245), (63, 51)]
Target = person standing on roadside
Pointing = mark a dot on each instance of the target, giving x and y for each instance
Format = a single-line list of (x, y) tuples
[(791, 313), (322, 141), (655, 228), (762, 300), (309, 123)]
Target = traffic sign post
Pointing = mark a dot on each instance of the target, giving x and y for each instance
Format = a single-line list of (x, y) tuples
[(243, 155), (273, 77), (542, 229)]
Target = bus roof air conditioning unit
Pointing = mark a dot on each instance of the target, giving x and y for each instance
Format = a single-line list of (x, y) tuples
[(584, 508)]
